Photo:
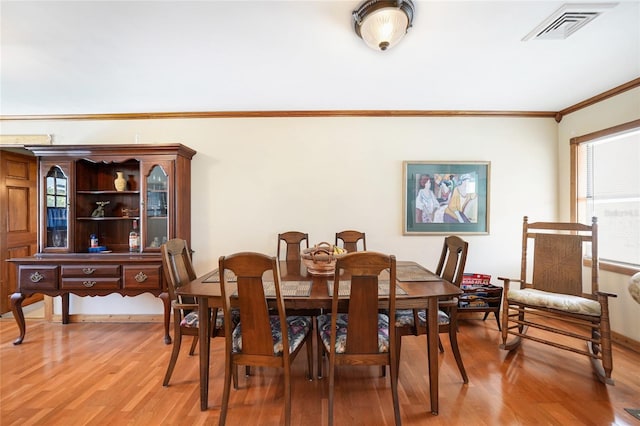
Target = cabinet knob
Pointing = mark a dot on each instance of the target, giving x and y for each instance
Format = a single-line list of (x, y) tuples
[(36, 277), (88, 271), (88, 283), (141, 277)]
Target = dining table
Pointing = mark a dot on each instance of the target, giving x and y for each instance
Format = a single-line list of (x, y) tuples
[(416, 288)]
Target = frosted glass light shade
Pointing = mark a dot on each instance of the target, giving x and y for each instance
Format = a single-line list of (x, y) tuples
[(383, 23), (384, 28)]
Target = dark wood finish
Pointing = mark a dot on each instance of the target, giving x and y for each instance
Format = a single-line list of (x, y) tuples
[(85, 275), (453, 259), (362, 343), (418, 295), (558, 250), (350, 240), (89, 171), (293, 241), (18, 218), (178, 270), (257, 341)]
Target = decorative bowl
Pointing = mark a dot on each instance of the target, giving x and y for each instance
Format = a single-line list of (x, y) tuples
[(321, 258)]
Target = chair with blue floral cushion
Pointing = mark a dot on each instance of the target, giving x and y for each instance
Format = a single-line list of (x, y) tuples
[(259, 339), (362, 335), (414, 321), (178, 270)]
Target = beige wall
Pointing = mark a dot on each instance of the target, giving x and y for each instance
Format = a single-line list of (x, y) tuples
[(255, 177), (625, 313)]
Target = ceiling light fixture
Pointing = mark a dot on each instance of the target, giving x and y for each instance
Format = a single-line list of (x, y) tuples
[(382, 24)]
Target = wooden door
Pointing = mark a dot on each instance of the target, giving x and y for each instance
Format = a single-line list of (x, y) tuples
[(18, 218)]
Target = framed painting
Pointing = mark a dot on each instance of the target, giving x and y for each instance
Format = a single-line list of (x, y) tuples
[(446, 197)]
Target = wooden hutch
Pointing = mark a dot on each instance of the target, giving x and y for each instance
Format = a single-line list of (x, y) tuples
[(78, 200)]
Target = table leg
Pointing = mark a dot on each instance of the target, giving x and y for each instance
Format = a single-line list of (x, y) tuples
[(432, 351), (203, 336)]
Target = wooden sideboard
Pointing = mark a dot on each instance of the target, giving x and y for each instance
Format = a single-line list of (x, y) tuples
[(88, 275), (80, 201)]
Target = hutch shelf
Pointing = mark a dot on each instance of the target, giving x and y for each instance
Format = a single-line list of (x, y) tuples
[(80, 201)]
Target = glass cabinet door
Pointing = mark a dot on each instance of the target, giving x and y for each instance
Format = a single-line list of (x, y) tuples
[(57, 209), (156, 213)]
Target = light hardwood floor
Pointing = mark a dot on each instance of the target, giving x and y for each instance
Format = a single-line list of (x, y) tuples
[(111, 374)]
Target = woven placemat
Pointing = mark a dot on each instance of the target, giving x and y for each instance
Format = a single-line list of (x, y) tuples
[(287, 288), (345, 288), (414, 273), (215, 277)]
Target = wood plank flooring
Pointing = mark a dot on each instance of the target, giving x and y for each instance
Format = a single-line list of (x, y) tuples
[(111, 374)]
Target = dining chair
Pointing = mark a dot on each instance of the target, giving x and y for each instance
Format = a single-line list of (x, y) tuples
[(350, 240), (293, 241), (362, 335), (414, 321), (262, 337), (178, 270)]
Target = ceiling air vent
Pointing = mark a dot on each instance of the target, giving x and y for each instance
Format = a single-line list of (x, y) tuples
[(567, 20)]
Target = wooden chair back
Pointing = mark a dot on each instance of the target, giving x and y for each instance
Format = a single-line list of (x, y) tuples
[(364, 268), (249, 269), (558, 252), (176, 265), (350, 240), (293, 241), (453, 259)]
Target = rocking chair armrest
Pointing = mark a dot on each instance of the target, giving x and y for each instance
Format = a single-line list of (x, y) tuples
[(507, 281), (605, 294)]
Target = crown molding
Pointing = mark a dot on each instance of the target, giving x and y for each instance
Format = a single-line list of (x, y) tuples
[(329, 113)]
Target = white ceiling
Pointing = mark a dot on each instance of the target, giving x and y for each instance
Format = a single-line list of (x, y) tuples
[(90, 57)]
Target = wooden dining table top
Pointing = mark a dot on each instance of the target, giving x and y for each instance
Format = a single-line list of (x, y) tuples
[(409, 294)]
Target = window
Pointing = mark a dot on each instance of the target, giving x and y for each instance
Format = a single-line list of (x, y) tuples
[(606, 169)]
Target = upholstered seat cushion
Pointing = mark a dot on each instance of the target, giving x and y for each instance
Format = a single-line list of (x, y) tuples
[(298, 327), (561, 302), (324, 326), (191, 319), (404, 317)]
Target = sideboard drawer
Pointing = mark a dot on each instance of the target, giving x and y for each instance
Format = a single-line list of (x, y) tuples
[(142, 277), (38, 277), (91, 271), (91, 283)]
